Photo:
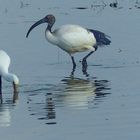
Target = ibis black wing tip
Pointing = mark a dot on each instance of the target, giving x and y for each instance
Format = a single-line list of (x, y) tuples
[(101, 38)]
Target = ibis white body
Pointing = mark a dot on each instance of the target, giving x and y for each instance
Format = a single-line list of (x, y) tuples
[(72, 38)]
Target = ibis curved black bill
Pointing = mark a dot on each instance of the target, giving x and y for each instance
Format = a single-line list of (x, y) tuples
[(34, 25)]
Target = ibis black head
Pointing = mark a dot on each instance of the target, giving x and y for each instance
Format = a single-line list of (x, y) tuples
[(50, 19)]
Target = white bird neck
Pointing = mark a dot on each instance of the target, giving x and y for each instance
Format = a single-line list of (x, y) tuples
[(50, 37), (10, 77)]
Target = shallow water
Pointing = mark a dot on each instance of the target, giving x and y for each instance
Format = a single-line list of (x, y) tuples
[(102, 104)]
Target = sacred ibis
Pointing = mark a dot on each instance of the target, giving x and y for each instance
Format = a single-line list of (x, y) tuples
[(73, 38)]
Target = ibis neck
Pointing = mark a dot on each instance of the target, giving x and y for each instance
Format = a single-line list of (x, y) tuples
[(49, 27), (50, 36)]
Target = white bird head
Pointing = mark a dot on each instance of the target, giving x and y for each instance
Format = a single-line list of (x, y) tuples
[(15, 79), (50, 19)]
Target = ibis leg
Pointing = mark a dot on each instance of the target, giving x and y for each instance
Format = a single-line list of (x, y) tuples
[(84, 61), (74, 65), (73, 62), (15, 97)]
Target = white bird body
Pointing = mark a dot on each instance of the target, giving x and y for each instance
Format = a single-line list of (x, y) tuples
[(4, 62), (72, 38), (4, 65)]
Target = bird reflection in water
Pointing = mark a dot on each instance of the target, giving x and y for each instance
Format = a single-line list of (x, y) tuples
[(50, 106), (5, 116), (71, 92), (14, 99), (5, 109), (81, 93), (50, 109), (42, 107), (5, 112)]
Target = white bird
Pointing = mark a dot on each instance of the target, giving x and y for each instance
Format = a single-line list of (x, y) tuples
[(4, 65), (73, 38)]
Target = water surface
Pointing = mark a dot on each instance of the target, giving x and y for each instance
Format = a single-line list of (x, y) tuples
[(53, 104)]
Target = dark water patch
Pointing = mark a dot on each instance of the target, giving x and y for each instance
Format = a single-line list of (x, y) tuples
[(33, 94), (138, 7), (80, 8), (96, 7), (113, 67), (137, 4), (114, 4), (51, 123), (107, 67), (95, 65)]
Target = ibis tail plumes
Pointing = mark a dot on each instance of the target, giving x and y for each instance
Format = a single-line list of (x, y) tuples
[(101, 38), (73, 38), (4, 66)]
